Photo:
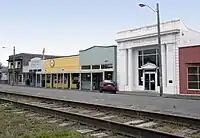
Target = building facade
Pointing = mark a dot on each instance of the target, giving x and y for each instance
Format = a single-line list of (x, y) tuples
[(98, 63), (84, 71), (138, 57), (21, 66), (189, 69), (60, 73), (29, 72)]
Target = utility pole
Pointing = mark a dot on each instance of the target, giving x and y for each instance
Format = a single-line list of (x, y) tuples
[(13, 70), (160, 50), (159, 43)]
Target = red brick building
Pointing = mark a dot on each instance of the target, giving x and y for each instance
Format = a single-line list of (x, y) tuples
[(189, 70)]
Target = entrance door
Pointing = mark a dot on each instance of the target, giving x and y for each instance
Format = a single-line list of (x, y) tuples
[(149, 81)]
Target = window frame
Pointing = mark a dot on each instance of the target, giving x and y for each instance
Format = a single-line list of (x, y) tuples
[(85, 67), (142, 54), (198, 77)]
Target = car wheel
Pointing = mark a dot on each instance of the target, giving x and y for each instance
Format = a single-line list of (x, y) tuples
[(114, 92), (101, 91)]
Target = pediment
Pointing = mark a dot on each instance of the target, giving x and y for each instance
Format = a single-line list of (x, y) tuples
[(149, 66)]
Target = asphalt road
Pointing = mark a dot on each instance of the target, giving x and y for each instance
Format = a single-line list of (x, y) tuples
[(185, 107)]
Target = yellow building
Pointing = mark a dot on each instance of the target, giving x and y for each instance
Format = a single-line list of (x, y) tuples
[(62, 72)]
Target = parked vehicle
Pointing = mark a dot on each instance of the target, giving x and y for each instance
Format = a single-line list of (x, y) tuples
[(108, 85)]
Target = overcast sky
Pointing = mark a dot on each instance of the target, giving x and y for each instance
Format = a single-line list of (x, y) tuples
[(64, 27)]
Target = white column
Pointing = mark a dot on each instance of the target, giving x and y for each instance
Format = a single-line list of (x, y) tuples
[(91, 81), (130, 69), (70, 76), (80, 81), (126, 66)]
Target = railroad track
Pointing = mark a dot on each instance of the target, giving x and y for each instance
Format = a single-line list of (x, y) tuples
[(132, 123)]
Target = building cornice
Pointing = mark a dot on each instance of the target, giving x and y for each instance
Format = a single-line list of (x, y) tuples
[(147, 35)]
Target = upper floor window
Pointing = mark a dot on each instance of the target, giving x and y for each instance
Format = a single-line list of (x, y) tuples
[(150, 55), (95, 66), (85, 67), (106, 66), (194, 77), (18, 64)]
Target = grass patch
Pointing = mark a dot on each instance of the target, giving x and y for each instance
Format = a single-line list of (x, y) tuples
[(196, 135), (15, 124), (55, 134), (170, 128)]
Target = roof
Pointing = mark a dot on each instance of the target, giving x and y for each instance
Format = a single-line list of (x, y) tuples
[(97, 46), (64, 56), (35, 55), (26, 57), (153, 25)]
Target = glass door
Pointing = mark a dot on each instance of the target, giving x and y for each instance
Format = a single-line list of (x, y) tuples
[(152, 82), (146, 81), (149, 81)]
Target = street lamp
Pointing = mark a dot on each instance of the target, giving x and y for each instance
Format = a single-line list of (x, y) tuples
[(13, 70), (159, 42)]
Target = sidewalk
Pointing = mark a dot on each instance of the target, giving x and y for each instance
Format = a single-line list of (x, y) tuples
[(157, 94), (133, 93), (176, 106)]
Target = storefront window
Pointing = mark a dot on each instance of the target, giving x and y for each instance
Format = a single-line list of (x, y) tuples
[(149, 51), (20, 78), (150, 58), (86, 77), (140, 61), (158, 77), (75, 78), (147, 56), (65, 78), (109, 75), (48, 78), (140, 76), (38, 78), (194, 77)]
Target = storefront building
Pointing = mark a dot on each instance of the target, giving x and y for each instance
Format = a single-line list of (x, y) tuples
[(190, 69), (21, 68), (60, 73), (29, 72), (84, 71), (138, 57), (97, 63)]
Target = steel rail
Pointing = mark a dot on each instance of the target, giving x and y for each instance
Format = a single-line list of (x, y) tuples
[(109, 125), (142, 113)]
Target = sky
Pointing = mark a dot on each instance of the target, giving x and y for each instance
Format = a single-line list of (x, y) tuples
[(63, 27)]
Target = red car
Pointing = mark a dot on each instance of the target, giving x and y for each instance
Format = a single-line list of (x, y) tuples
[(108, 85)]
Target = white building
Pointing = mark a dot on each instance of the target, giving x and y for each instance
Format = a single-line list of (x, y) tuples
[(137, 59), (36, 64)]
